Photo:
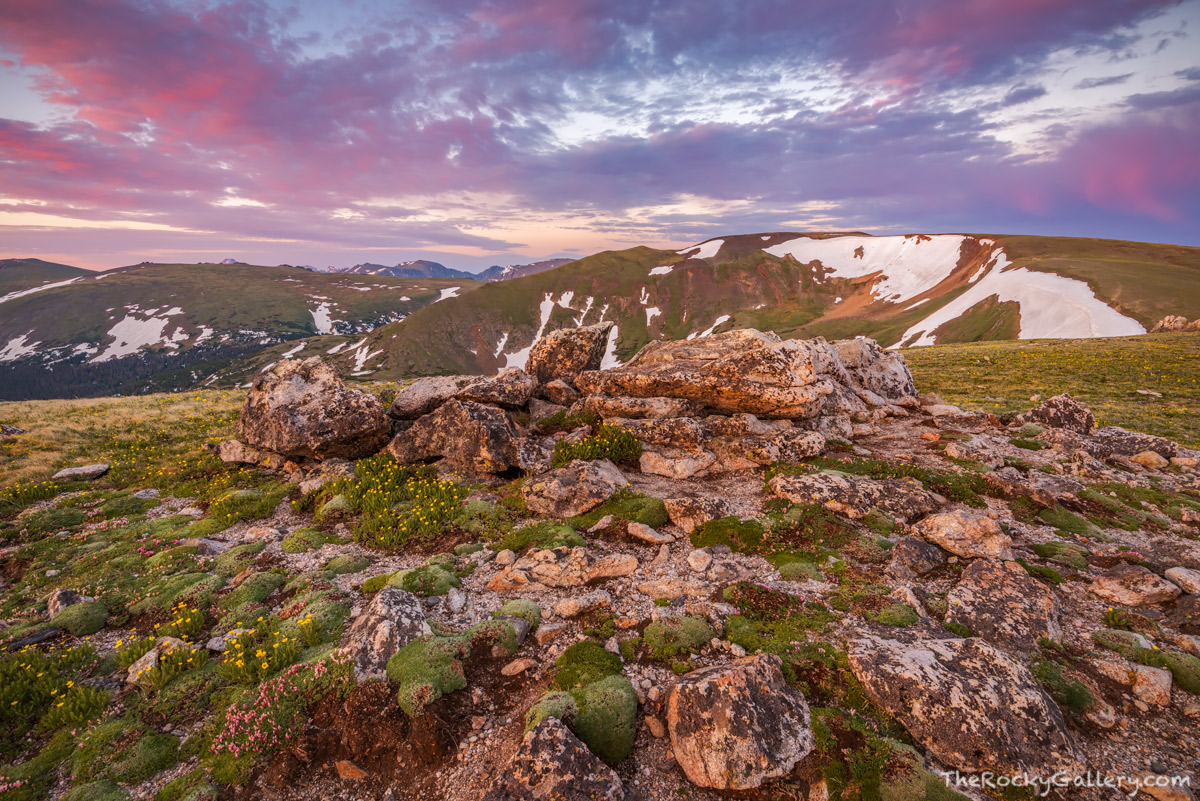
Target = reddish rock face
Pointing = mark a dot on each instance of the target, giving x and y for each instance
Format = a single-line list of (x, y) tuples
[(572, 490), (736, 726), (1004, 605), (472, 436), (1134, 585), (303, 409)]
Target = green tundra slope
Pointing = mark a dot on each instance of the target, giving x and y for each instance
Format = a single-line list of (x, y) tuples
[(19, 275)]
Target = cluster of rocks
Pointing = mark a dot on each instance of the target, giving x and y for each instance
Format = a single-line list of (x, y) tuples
[(1175, 322), (721, 403)]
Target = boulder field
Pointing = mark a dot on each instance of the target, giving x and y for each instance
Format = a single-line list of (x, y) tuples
[(750, 567)]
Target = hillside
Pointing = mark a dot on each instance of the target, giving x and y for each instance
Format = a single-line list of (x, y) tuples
[(22, 275), (943, 591), (906, 290), (174, 325)]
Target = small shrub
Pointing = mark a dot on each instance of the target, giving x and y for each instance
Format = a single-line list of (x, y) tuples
[(249, 658), (554, 704), (800, 571), (741, 536), (253, 589), (670, 636), (304, 540), (958, 629), (82, 619), (1064, 553), (347, 563), (186, 622), (1074, 695), (583, 663), (1045, 573), (609, 442), (607, 718), (429, 581), (896, 614), (520, 607), (426, 669), (133, 649), (539, 536)]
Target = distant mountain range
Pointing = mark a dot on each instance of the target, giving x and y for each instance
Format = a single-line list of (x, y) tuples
[(432, 269), (70, 332)]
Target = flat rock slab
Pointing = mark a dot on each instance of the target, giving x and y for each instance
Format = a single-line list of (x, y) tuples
[(1003, 604), (87, 472), (736, 371), (855, 496), (971, 705), (1133, 585), (736, 726), (472, 436)]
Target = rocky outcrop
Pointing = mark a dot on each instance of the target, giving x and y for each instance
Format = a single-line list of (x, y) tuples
[(872, 368), (87, 472), (855, 496), (966, 534), (1003, 604), (738, 371), (912, 557), (564, 354), (560, 567), (60, 599), (474, 436), (552, 764), (1131, 443), (302, 409), (572, 490), (394, 618), (687, 513), (511, 388), (1063, 411), (972, 706), (736, 726)]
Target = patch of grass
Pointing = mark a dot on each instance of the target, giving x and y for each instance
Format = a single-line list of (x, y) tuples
[(626, 507), (896, 614), (1027, 444), (520, 607), (1066, 521), (609, 442), (306, 539), (347, 563), (1074, 695), (739, 535), (429, 581), (432, 666), (606, 720), (1063, 553), (566, 421), (964, 487), (1104, 374), (1048, 574), (81, 619)]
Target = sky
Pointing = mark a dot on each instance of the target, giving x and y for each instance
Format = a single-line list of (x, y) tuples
[(479, 132)]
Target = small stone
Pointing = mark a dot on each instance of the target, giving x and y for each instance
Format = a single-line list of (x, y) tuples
[(264, 534), (517, 667), (1183, 461), (53, 572), (640, 531), (1152, 685), (146, 494), (348, 771), (656, 727), (456, 600), (547, 632), (505, 558), (602, 524), (573, 607), (1187, 579), (1149, 460), (85, 473), (699, 560)]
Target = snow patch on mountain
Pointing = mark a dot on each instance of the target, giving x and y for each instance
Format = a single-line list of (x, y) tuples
[(18, 347), (23, 292), (1051, 307), (651, 313), (287, 354), (663, 270), (705, 250), (521, 357), (724, 318), (448, 292), (610, 360), (131, 334), (908, 265), (322, 319)]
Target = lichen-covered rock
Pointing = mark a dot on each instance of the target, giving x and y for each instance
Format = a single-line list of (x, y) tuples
[(553, 764), (566, 353), (971, 705), (560, 567), (687, 513), (60, 599), (426, 394), (607, 406), (872, 368), (1150, 460), (1185, 578), (512, 388), (572, 490), (1003, 604), (393, 619), (233, 451), (736, 726), (855, 496), (1133, 585), (736, 371), (472, 436), (302, 409), (1063, 411), (966, 534), (912, 557), (1131, 443)]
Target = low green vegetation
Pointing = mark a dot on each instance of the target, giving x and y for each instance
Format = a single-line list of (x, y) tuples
[(432, 666), (609, 442)]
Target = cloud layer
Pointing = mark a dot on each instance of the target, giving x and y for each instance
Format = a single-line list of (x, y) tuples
[(488, 131)]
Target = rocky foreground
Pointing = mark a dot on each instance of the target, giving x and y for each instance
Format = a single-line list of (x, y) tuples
[(734, 567)]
